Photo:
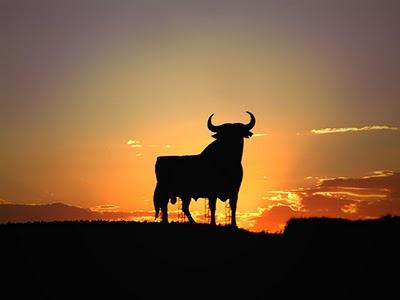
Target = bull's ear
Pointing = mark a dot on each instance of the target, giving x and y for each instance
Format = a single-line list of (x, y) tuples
[(248, 134), (215, 136)]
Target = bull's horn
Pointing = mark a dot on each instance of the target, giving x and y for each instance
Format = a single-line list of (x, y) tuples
[(252, 121), (210, 125)]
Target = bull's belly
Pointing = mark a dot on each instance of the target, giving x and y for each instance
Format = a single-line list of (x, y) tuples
[(222, 197), (222, 192)]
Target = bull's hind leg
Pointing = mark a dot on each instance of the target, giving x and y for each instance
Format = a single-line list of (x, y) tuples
[(157, 200), (212, 203), (185, 209), (160, 201), (164, 210)]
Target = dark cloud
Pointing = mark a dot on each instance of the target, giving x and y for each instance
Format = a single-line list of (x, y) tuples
[(351, 198), (274, 220), (382, 180), (61, 212), (323, 205)]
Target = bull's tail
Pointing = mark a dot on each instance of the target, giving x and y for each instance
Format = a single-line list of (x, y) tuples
[(157, 200)]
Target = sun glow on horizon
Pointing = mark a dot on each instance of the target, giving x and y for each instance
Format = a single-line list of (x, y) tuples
[(93, 96)]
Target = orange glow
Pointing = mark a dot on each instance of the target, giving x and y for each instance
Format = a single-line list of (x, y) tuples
[(88, 108)]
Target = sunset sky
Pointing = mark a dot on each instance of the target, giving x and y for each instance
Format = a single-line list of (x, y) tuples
[(91, 92)]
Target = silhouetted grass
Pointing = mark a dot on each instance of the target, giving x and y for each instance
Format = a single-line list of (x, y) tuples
[(315, 257)]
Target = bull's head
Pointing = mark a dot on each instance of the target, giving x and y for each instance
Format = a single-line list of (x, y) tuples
[(232, 131)]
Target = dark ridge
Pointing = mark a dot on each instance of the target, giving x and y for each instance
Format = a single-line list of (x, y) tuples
[(323, 226), (315, 257)]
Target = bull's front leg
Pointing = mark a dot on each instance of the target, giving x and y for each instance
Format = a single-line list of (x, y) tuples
[(185, 209), (232, 203), (212, 203), (164, 211)]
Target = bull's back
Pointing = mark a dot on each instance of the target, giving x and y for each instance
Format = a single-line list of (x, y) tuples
[(171, 165)]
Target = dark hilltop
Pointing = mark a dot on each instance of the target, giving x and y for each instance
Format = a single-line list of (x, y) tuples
[(314, 257)]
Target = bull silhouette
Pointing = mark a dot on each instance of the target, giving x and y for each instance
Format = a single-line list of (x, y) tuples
[(214, 173)]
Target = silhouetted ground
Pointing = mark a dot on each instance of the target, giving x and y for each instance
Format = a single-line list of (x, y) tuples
[(313, 258)]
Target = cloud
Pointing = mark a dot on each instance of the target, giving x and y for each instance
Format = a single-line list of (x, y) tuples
[(380, 173), (138, 144), (377, 180), (106, 207), (18, 213), (259, 134), (274, 220), (371, 196), (248, 219), (283, 198), (134, 144), (3, 201), (352, 129), (44, 212)]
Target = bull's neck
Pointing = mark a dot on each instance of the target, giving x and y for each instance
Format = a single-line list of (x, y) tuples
[(225, 151)]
